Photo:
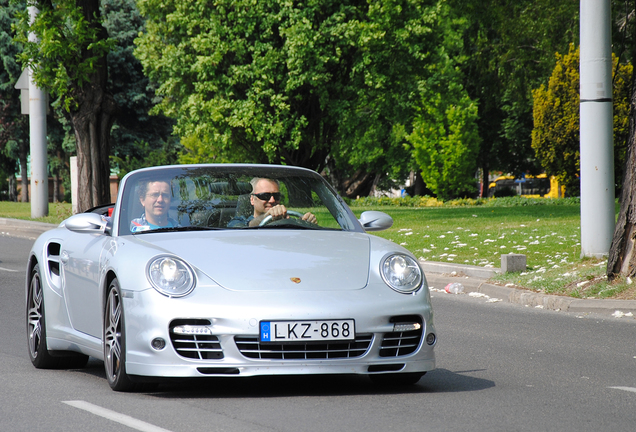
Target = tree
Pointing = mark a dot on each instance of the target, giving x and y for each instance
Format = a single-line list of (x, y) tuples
[(509, 47), (555, 137), (446, 142), (69, 60), (14, 127), (135, 132), (445, 135), (622, 254), (325, 82)]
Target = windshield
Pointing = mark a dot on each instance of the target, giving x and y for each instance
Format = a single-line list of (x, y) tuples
[(229, 197)]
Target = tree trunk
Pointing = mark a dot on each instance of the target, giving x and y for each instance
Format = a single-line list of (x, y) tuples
[(622, 254), (92, 121)]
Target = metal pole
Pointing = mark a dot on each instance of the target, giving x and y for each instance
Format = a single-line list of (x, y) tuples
[(596, 129), (37, 131)]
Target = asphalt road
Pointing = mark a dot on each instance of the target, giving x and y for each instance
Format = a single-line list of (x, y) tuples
[(501, 367)]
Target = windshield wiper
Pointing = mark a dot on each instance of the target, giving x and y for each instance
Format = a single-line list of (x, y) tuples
[(179, 229)]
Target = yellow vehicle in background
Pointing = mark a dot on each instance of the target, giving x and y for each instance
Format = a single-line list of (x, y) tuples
[(527, 186)]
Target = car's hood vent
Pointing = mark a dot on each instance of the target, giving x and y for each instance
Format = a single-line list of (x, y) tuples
[(275, 259)]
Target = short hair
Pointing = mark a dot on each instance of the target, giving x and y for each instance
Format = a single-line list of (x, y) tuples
[(142, 186), (255, 181)]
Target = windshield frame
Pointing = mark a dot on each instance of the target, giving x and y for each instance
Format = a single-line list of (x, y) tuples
[(126, 201)]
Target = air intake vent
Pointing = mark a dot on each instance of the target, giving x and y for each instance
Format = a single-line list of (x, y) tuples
[(402, 343), (195, 346), (250, 347)]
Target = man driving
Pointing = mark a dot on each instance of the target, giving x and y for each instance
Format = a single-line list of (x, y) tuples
[(154, 196), (265, 198)]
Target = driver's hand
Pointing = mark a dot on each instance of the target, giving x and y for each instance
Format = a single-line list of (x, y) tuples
[(309, 217), (277, 212)]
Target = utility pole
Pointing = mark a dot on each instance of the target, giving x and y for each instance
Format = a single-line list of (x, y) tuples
[(596, 130), (37, 131)]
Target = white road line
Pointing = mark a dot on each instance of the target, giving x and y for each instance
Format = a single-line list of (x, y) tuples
[(9, 270), (131, 422), (629, 389)]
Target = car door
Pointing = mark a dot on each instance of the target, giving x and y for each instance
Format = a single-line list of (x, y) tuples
[(83, 256)]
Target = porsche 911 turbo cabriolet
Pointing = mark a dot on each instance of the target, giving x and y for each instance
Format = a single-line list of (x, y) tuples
[(227, 270)]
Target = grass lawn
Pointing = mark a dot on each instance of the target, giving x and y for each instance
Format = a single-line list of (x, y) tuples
[(549, 236)]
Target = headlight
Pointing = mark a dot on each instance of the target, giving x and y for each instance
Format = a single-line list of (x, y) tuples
[(171, 276), (402, 273)]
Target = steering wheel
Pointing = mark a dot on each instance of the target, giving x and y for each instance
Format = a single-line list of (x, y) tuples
[(269, 218)]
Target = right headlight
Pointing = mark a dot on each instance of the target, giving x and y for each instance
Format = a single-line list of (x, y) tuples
[(402, 273), (171, 276)]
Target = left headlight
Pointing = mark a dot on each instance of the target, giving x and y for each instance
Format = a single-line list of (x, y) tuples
[(402, 273), (171, 276)]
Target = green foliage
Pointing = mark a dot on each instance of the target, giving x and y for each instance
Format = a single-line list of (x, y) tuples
[(135, 132), (555, 137), (168, 154), (446, 141), (427, 201), (276, 81), (509, 47), (68, 48)]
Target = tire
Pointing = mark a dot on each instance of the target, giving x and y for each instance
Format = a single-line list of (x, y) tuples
[(36, 325), (39, 354), (115, 341), (397, 379)]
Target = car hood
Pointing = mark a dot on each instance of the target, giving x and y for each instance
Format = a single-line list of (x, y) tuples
[(273, 260)]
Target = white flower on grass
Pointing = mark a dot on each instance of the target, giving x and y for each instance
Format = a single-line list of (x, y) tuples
[(426, 250), (402, 244), (489, 241), (408, 233), (442, 236), (473, 235), (536, 242), (580, 284)]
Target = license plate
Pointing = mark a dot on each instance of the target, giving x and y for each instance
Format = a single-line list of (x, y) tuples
[(307, 331)]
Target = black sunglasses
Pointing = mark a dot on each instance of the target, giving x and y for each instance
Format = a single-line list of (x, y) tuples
[(266, 196)]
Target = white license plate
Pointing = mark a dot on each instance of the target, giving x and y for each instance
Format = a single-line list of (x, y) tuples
[(307, 331)]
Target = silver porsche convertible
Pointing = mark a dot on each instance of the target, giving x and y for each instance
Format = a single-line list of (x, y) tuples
[(227, 270)]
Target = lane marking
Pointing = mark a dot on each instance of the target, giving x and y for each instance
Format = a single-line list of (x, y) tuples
[(9, 270), (629, 389), (131, 422)]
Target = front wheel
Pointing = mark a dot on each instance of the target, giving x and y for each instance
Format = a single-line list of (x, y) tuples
[(115, 341)]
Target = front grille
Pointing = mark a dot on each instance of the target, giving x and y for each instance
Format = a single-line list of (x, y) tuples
[(250, 347), (201, 347), (397, 344)]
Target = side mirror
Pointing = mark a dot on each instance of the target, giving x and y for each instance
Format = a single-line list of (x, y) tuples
[(90, 223), (375, 221)]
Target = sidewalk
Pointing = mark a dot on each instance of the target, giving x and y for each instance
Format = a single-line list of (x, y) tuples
[(475, 279)]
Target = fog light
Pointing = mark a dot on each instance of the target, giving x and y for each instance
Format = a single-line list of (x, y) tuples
[(158, 344), (405, 327), (431, 338)]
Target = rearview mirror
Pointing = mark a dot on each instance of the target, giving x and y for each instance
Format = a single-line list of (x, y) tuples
[(375, 221), (91, 223)]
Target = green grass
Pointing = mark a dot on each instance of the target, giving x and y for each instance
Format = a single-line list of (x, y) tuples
[(17, 210), (547, 232)]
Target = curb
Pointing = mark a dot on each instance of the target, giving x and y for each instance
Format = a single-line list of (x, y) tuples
[(443, 273)]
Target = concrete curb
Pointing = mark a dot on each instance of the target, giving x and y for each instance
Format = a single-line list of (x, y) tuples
[(439, 274)]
